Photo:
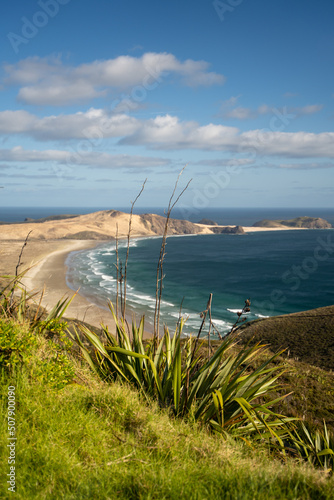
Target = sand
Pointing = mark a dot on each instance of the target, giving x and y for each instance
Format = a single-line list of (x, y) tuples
[(104, 224), (48, 271), (45, 261), (50, 243)]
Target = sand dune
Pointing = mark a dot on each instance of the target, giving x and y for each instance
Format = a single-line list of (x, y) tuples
[(98, 226), (52, 240), (102, 226)]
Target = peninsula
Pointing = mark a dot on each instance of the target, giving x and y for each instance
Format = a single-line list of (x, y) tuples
[(99, 226), (51, 239)]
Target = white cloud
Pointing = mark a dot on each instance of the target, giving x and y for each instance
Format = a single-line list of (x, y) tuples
[(94, 123), (264, 109), (169, 133), (59, 93), (31, 70), (232, 162), (307, 166), (307, 110), (230, 109), (72, 158), (46, 81), (17, 122), (240, 113), (289, 144)]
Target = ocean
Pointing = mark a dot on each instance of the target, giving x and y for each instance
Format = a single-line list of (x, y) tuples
[(280, 272), (242, 216)]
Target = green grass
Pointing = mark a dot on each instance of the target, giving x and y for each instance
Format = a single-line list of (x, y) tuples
[(79, 437), (90, 439), (307, 336), (98, 441)]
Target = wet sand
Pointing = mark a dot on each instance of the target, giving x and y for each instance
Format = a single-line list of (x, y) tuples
[(48, 271)]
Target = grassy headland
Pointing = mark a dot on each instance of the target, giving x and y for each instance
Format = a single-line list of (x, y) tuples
[(83, 436), (307, 336), (79, 437)]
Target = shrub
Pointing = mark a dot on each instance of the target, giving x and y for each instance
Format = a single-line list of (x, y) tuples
[(223, 392), (17, 344)]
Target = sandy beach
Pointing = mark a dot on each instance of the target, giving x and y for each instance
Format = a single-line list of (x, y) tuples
[(48, 271), (51, 242)]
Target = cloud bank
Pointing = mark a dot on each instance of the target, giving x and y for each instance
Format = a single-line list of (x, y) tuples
[(167, 133), (47, 81)]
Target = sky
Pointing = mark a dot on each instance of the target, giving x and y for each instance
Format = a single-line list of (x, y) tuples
[(96, 96)]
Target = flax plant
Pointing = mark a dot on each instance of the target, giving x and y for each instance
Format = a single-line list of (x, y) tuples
[(315, 447), (223, 392)]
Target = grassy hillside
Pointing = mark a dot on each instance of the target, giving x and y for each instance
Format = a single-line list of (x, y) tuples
[(308, 336), (83, 434), (310, 388), (308, 340), (80, 438)]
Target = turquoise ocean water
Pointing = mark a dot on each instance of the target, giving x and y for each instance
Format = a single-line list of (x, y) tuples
[(281, 272)]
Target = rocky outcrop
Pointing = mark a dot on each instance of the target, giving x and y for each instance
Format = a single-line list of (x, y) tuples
[(298, 222), (228, 230), (156, 224)]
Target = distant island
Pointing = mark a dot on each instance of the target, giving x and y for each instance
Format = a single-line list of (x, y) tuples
[(298, 222)]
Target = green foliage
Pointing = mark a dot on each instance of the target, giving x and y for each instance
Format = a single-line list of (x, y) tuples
[(232, 393), (17, 344), (222, 392), (104, 441), (56, 370), (55, 329), (43, 359), (312, 398), (34, 341), (14, 298), (317, 447)]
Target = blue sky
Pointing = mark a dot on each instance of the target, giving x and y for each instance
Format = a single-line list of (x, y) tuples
[(97, 96)]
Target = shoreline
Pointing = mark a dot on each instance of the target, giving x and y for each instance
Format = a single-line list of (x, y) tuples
[(50, 273), (48, 258), (47, 270)]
